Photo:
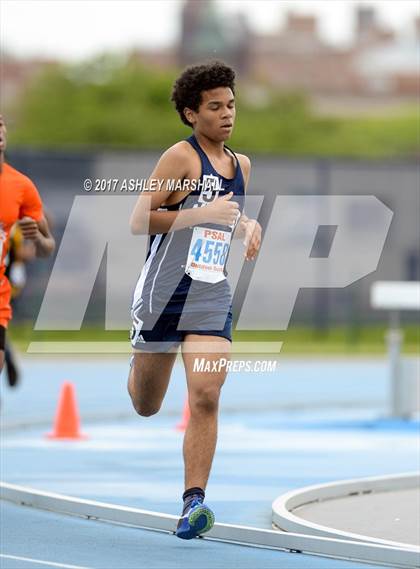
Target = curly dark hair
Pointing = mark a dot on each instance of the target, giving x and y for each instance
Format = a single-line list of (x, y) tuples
[(193, 80)]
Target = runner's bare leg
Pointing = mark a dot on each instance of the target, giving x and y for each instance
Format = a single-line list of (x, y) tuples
[(203, 394), (148, 380)]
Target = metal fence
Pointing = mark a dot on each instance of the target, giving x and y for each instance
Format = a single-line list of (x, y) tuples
[(59, 177)]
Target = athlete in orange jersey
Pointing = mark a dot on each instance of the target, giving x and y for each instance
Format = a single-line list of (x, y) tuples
[(19, 202)]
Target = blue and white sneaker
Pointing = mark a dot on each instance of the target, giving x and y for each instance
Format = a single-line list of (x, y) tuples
[(196, 520)]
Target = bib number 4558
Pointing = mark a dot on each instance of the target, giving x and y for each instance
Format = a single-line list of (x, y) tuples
[(214, 252)]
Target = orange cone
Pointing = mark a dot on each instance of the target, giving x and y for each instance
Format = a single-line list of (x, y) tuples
[(185, 417), (67, 422)]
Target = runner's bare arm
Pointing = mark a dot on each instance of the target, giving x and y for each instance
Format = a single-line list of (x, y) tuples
[(245, 164), (248, 229), (145, 219), (174, 166), (39, 233)]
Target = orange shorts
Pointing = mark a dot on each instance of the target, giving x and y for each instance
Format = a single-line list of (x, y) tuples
[(5, 308)]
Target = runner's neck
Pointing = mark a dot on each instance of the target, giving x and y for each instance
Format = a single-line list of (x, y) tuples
[(210, 147)]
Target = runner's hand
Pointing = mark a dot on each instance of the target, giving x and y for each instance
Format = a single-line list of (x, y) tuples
[(29, 228), (222, 211), (252, 239)]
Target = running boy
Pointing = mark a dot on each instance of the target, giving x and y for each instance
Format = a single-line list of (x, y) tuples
[(19, 202), (182, 296)]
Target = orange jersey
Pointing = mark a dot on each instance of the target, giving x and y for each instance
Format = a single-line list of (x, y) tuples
[(18, 198)]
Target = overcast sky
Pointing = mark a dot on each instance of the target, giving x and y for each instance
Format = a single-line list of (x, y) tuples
[(76, 29)]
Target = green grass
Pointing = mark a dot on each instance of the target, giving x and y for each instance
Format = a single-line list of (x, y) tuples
[(300, 340)]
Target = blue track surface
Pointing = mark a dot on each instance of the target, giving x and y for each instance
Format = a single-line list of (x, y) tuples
[(262, 453), (55, 538), (101, 387)]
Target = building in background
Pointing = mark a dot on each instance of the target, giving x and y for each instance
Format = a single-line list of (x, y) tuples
[(17, 74), (378, 64), (205, 33), (389, 63)]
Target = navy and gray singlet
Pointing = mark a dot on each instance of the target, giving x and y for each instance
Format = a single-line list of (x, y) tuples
[(164, 287)]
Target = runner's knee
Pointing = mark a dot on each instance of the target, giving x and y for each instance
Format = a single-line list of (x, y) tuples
[(144, 408), (141, 405), (205, 399)]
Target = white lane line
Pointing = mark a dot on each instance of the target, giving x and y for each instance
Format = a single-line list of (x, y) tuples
[(39, 561), (330, 547)]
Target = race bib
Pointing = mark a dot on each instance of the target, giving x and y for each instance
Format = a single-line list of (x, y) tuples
[(207, 254)]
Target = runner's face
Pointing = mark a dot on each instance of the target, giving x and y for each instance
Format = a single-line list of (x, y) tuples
[(216, 114)]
